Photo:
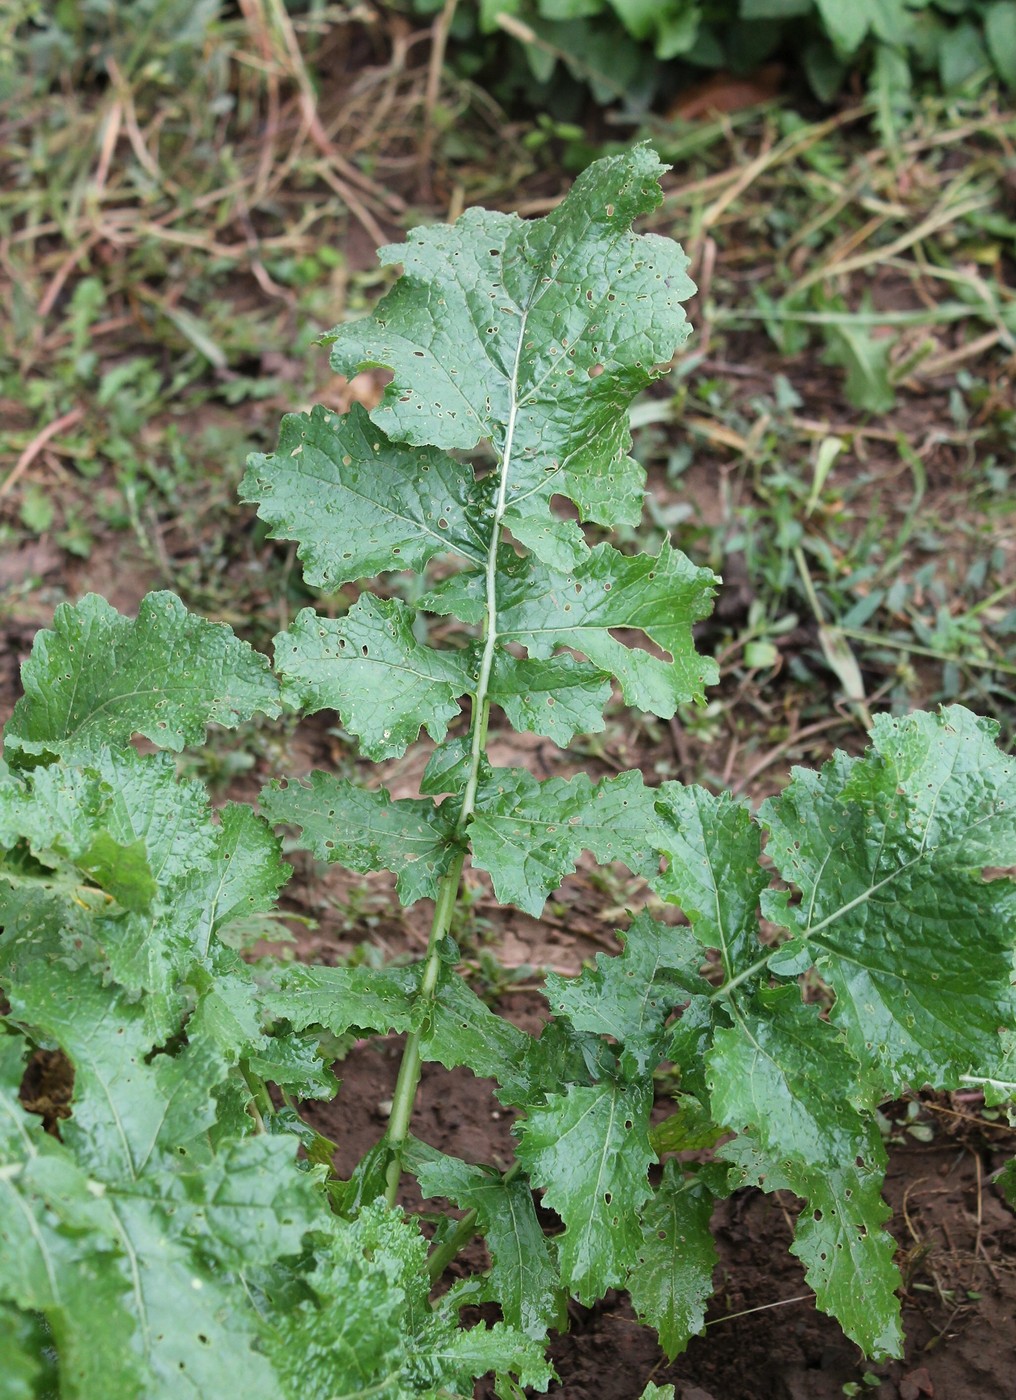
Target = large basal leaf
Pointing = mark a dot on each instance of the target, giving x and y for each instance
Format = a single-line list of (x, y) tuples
[(369, 667), (589, 1151), (57, 1249), (366, 830), (672, 1279), (784, 1080), (98, 678), (713, 870), (523, 1279), (540, 608), (130, 1105), (889, 852), (129, 1269), (529, 835), (535, 336), (359, 504)]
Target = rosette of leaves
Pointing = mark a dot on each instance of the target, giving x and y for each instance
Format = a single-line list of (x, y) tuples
[(180, 1190)]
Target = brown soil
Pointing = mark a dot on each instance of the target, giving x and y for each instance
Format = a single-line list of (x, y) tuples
[(764, 1338)]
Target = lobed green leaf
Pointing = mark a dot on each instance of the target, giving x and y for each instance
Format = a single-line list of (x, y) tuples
[(889, 852), (359, 504), (368, 665), (97, 678), (535, 336), (589, 1150), (367, 830)]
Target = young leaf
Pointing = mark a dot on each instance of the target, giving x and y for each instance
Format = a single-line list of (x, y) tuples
[(462, 1030), (535, 336), (713, 850), (368, 831), (369, 667), (786, 1081), (359, 504), (628, 996), (672, 1279), (98, 678), (589, 1151), (523, 1279), (888, 852), (529, 834)]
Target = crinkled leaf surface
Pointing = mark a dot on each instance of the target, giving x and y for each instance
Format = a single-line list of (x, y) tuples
[(542, 609), (712, 848), (529, 834), (339, 998), (559, 697), (523, 1278), (785, 1080), (359, 504), (98, 678), (628, 996), (589, 1151), (368, 1327), (888, 853), (367, 830), (535, 336), (369, 667), (672, 1279), (462, 1030)]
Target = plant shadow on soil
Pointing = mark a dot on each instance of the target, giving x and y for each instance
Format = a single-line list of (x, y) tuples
[(764, 1338)]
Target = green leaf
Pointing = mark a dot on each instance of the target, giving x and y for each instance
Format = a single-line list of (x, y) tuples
[(462, 1030), (847, 25), (713, 872), (672, 1279), (1000, 33), (535, 336), (359, 504), (98, 678), (558, 698), (367, 1326), (242, 878), (529, 835), (56, 1255), (888, 852), (369, 667), (542, 609), (366, 830), (628, 996), (523, 1279), (866, 361), (784, 1080), (339, 998), (589, 1151)]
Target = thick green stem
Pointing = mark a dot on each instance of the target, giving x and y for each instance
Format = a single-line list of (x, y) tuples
[(453, 1245), (261, 1105), (409, 1070)]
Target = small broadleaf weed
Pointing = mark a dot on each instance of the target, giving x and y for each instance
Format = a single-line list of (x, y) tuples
[(181, 1229)]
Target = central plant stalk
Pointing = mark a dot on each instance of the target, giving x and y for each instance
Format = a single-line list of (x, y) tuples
[(408, 1080)]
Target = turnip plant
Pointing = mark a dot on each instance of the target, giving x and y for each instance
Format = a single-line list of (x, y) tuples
[(184, 1232)]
